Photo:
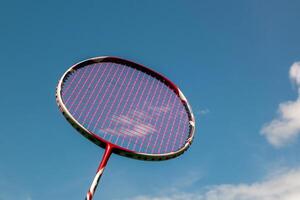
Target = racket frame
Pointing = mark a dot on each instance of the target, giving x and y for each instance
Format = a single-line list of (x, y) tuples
[(115, 148)]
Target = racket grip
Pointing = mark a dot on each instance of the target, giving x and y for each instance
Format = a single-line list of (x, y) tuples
[(105, 158)]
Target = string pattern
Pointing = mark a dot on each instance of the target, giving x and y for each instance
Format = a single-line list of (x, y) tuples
[(127, 107)]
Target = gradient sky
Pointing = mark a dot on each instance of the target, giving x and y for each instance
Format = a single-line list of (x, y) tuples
[(230, 58)]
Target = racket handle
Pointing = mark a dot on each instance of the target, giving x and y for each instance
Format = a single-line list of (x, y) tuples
[(107, 153)]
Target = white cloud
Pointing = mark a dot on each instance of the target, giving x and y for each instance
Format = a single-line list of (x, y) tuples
[(135, 123), (283, 186), (203, 111), (295, 73), (286, 126)]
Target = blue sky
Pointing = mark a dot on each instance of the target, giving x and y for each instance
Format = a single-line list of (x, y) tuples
[(232, 60)]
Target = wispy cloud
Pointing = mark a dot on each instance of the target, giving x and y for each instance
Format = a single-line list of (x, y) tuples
[(203, 111), (282, 186), (286, 126), (4, 195), (135, 123)]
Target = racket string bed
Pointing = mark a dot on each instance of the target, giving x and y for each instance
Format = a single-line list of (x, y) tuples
[(102, 117)]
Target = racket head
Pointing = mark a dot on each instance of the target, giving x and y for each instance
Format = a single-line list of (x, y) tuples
[(118, 149)]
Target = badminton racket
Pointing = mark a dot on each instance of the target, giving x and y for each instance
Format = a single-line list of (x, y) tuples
[(127, 109)]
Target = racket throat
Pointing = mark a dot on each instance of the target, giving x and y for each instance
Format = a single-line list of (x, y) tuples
[(106, 156), (102, 165)]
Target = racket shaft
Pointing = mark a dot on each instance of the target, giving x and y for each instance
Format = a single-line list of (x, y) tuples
[(107, 153)]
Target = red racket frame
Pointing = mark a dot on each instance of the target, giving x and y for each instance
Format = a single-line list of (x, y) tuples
[(108, 146)]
